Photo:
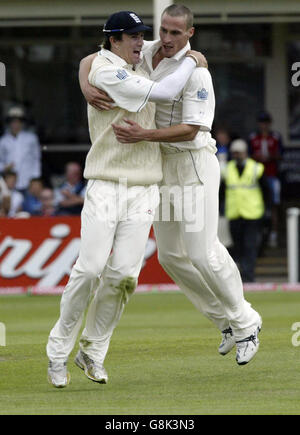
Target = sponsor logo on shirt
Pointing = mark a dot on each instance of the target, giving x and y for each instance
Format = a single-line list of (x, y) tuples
[(122, 74), (202, 95)]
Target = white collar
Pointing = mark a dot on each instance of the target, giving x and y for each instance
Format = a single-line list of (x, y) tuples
[(115, 59)]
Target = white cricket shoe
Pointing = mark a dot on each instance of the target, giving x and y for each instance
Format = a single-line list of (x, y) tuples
[(94, 371), (227, 343), (248, 347), (58, 375)]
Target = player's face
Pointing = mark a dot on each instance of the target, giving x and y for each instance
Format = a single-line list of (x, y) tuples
[(131, 46), (174, 34)]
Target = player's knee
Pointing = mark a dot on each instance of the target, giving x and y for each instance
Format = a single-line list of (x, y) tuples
[(210, 259), (165, 259), (92, 270), (126, 286)]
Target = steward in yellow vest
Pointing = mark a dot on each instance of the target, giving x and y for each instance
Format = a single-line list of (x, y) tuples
[(243, 197), (246, 190)]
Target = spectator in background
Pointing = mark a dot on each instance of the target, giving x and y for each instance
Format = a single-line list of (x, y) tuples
[(20, 150), (223, 141), (48, 204), (265, 146), (246, 193), (32, 201), (4, 198), (16, 198), (69, 197)]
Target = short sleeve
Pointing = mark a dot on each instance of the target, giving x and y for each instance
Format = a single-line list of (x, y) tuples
[(199, 99), (129, 91)]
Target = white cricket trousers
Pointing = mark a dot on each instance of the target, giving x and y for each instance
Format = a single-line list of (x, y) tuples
[(115, 225), (188, 246)]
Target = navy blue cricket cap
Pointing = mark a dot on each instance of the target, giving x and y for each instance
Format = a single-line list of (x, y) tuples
[(124, 21)]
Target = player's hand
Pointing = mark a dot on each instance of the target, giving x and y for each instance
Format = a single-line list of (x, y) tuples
[(97, 98), (131, 134), (201, 59)]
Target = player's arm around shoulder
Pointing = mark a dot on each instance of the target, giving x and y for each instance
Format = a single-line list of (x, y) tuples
[(93, 96)]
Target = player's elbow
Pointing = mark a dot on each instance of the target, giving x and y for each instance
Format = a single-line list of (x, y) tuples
[(192, 135), (191, 132)]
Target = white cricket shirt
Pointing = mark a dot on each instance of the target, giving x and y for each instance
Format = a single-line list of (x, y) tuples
[(138, 163), (23, 151), (127, 87), (195, 105)]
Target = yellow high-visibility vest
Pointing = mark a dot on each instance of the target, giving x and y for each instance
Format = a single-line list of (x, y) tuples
[(243, 197)]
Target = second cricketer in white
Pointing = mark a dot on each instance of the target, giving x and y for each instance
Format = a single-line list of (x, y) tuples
[(195, 259), (120, 202)]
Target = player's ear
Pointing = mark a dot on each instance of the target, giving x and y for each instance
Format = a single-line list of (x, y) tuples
[(191, 32), (114, 42)]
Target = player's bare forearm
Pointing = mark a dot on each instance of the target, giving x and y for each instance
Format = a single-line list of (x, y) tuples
[(173, 134), (94, 96), (84, 70), (135, 133)]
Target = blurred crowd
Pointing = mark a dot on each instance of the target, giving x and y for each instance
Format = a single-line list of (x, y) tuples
[(249, 190), (22, 189)]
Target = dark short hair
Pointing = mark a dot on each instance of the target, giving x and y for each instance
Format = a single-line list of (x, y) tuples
[(180, 11), (37, 179), (9, 173), (106, 42)]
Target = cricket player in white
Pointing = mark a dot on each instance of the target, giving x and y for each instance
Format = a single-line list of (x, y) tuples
[(195, 260), (120, 202)]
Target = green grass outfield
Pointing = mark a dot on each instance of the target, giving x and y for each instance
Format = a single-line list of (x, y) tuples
[(163, 359)]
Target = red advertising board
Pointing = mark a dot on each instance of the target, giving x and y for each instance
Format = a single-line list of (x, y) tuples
[(39, 253)]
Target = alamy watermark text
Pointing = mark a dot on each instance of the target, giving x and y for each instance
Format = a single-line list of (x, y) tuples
[(296, 335), (296, 75), (2, 335), (2, 74)]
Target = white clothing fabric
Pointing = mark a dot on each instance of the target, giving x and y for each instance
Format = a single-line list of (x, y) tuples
[(167, 88), (139, 164), (116, 77), (194, 105), (188, 246), (16, 202), (116, 80), (116, 221), (23, 151)]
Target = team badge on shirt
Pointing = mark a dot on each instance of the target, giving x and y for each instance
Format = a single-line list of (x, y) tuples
[(122, 74), (202, 95)]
